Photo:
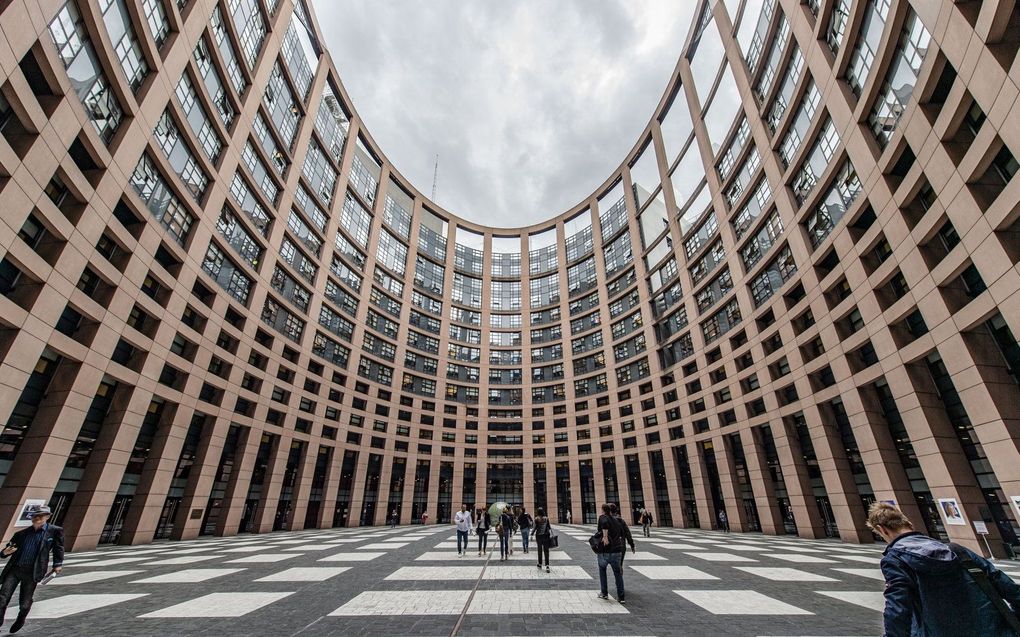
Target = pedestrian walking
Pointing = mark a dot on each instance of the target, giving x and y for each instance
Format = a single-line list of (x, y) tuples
[(543, 536), (609, 554), (505, 529), (625, 531), (30, 548), (425, 517), (524, 523), (940, 590), (724, 522), (483, 521), (463, 521), (568, 517), (394, 518), (646, 523)]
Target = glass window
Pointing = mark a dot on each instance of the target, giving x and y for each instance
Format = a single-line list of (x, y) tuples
[(723, 110), (863, 56), (75, 50), (644, 176), (899, 81)]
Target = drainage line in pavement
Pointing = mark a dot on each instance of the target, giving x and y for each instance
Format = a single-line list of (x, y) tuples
[(471, 596)]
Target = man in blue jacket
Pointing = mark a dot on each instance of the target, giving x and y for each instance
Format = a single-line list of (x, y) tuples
[(29, 553), (928, 590)]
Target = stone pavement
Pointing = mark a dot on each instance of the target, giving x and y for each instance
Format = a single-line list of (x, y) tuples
[(410, 581)]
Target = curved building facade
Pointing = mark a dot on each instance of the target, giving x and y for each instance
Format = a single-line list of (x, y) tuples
[(224, 311)]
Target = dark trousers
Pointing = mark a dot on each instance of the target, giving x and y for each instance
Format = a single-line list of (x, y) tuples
[(525, 536), (648, 527), (462, 535), (544, 542), (504, 543), (24, 576), (615, 561), (483, 540)]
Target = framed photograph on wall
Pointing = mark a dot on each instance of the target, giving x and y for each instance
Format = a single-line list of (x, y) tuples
[(952, 512), (27, 509)]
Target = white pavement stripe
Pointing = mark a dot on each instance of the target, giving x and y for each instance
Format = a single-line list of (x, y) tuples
[(382, 546), (484, 602), (740, 602), (721, 557), (868, 599), (799, 558), (187, 559), (65, 605), (219, 605), (89, 577), (188, 576), (673, 573), (305, 574), (783, 574), (350, 557), (269, 558), (872, 573), (493, 572)]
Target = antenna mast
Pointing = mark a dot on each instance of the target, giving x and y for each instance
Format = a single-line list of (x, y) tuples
[(435, 177)]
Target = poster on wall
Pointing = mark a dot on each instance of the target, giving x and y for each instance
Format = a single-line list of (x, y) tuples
[(952, 511), (27, 509), (1015, 499)]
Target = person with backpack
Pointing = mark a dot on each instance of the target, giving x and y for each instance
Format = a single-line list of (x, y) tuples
[(524, 522), (625, 531), (543, 536), (940, 590), (505, 529), (483, 521), (609, 540), (646, 523)]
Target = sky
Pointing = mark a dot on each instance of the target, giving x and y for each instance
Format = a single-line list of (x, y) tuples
[(529, 104)]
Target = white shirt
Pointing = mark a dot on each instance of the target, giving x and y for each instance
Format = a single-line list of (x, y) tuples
[(463, 520)]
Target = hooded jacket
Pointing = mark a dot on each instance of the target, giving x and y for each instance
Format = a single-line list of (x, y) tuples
[(929, 594)]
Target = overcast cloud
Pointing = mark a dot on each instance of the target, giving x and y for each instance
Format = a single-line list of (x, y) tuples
[(530, 104)]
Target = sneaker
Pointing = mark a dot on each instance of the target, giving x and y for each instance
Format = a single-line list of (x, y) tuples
[(539, 567), (546, 569), (622, 601), (479, 553), (601, 596)]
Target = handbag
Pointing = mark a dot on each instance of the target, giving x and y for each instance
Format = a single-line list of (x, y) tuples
[(554, 540), (499, 529), (980, 578), (595, 542)]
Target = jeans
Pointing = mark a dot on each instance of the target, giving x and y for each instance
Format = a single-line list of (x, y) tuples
[(648, 527), (25, 576), (462, 535), (504, 543), (544, 542), (483, 540), (616, 562), (525, 537)]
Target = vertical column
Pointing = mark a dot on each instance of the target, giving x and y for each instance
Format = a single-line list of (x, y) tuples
[(101, 479), (728, 484), (236, 492), (798, 485), (49, 438), (272, 484), (761, 484), (673, 488), (330, 489), (878, 452), (837, 476), (187, 525), (154, 483), (300, 492), (702, 493), (358, 490)]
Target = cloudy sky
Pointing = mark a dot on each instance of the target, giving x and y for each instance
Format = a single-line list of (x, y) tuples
[(530, 104)]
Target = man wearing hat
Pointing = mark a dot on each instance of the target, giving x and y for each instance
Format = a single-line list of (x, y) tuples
[(29, 553)]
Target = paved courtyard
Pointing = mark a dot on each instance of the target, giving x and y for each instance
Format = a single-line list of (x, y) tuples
[(410, 581)]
